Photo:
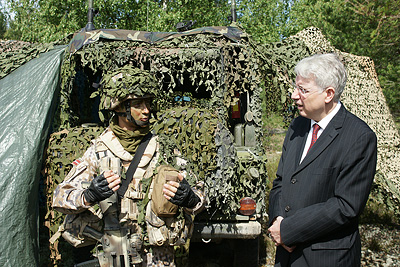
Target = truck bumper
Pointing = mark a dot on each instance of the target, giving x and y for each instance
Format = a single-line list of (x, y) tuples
[(237, 230)]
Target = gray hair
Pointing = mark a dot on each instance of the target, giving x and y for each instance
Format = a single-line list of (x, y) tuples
[(327, 69)]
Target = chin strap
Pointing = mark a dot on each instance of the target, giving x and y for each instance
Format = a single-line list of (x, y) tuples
[(127, 113)]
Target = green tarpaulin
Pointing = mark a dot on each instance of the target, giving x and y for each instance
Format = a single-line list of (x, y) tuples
[(27, 99)]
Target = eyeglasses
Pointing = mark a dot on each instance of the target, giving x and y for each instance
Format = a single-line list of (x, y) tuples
[(304, 92)]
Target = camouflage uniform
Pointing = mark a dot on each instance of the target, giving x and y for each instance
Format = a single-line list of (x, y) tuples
[(106, 149)]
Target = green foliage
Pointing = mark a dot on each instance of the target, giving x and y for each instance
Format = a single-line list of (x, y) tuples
[(365, 28), (50, 20), (61, 152), (381, 207), (3, 24), (45, 21), (14, 54), (389, 78), (279, 59), (263, 20)]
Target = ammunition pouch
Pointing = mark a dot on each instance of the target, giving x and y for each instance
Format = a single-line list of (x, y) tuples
[(109, 207), (172, 231), (129, 205), (159, 204), (82, 229), (121, 247), (121, 244)]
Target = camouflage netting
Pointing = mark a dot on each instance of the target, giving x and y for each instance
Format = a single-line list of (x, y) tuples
[(59, 156), (204, 140), (14, 54), (363, 96), (200, 61), (208, 69), (208, 66), (208, 144), (278, 62)]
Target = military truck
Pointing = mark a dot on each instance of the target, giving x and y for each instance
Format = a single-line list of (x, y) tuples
[(212, 79), (211, 109)]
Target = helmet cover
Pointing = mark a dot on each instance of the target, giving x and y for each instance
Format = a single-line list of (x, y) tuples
[(125, 83)]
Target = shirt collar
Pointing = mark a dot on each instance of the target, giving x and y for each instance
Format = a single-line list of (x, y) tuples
[(325, 121)]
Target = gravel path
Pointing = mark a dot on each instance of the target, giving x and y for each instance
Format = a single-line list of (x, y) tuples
[(380, 245)]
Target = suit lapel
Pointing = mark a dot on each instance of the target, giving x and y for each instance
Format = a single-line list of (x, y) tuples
[(302, 141), (326, 138)]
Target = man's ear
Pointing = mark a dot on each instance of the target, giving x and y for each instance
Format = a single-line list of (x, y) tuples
[(120, 108), (330, 94)]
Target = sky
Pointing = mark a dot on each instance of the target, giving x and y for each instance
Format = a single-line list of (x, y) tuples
[(3, 8)]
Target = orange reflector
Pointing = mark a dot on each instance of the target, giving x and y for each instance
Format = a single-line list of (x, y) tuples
[(247, 206)]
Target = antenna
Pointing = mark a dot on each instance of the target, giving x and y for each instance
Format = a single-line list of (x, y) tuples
[(91, 13), (233, 10)]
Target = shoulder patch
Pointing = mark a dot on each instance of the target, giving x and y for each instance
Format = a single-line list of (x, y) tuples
[(78, 166), (76, 162)]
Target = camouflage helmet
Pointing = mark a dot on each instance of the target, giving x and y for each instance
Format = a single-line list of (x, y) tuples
[(125, 83)]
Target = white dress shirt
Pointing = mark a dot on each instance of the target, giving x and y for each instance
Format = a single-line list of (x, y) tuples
[(323, 124)]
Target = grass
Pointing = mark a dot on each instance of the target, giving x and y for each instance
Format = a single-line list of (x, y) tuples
[(396, 118), (274, 131)]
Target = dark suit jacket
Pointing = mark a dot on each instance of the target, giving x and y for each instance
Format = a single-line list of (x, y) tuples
[(322, 198)]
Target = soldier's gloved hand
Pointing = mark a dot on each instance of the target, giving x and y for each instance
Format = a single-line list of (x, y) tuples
[(98, 190), (184, 196)]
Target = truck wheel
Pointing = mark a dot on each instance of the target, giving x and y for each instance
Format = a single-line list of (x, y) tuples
[(246, 252)]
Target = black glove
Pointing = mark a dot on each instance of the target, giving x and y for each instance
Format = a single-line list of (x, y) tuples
[(184, 196), (98, 190)]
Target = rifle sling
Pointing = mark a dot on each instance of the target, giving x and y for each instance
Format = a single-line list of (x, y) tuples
[(134, 164)]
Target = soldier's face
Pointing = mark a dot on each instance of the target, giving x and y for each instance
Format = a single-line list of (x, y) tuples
[(140, 111)]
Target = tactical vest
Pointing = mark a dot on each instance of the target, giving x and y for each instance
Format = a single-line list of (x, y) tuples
[(123, 238), (114, 227)]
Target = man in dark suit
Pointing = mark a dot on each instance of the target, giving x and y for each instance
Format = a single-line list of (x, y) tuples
[(324, 175)]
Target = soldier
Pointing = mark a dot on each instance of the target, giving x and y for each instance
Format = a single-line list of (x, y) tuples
[(135, 232)]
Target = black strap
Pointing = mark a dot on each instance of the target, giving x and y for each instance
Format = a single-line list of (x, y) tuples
[(134, 164)]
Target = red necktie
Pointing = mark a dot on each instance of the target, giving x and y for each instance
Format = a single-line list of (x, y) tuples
[(314, 135)]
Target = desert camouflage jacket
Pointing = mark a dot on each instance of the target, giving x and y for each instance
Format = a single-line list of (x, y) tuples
[(68, 196)]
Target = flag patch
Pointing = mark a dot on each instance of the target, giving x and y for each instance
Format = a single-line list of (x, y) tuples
[(76, 162)]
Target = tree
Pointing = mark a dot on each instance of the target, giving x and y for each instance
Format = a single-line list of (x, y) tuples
[(49, 20), (362, 27), (383, 19), (264, 20), (3, 24)]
